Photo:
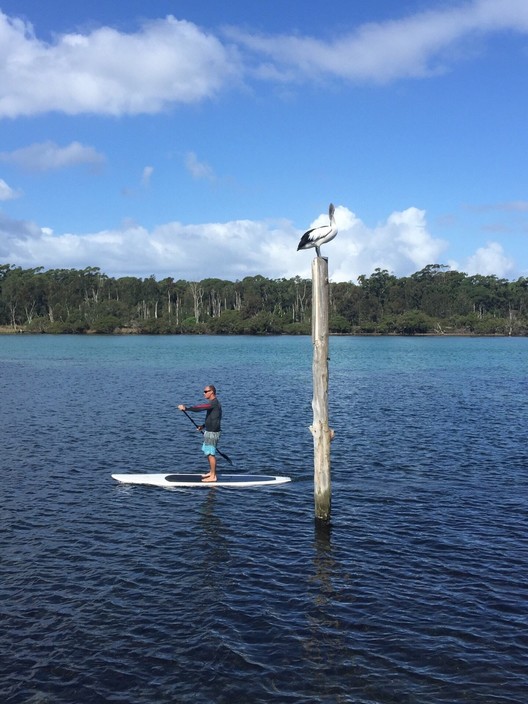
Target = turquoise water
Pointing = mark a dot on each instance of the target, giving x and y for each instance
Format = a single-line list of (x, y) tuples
[(416, 593)]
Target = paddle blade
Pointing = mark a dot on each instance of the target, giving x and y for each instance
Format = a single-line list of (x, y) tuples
[(227, 459)]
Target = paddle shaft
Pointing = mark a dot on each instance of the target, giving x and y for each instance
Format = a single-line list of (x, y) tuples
[(227, 459)]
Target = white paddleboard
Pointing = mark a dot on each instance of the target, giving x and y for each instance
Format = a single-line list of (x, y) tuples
[(194, 480)]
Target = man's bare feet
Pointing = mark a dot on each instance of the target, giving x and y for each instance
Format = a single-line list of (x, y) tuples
[(206, 476), (209, 478)]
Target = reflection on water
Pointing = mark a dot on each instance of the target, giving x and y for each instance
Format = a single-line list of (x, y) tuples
[(327, 645), (211, 536), (324, 561)]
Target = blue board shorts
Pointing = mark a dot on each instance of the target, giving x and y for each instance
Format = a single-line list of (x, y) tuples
[(210, 442)]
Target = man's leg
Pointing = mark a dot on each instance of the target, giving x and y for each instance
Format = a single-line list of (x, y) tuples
[(211, 477)]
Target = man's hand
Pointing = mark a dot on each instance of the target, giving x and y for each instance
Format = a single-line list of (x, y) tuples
[(181, 407)]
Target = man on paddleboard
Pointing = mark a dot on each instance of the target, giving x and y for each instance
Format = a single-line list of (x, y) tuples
[(213, 419)]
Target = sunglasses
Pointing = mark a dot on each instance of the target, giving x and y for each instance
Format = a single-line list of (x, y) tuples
[(207, 391)]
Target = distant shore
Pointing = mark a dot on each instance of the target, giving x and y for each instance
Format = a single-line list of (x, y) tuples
[(8, 330)]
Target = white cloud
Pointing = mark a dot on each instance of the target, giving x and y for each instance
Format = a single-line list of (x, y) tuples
[(232, 250), (416, 46), (46, 156), (512, 206), (169, 61), (15, 236), (519, 206), (401, 244), (198, 169), (146, 176), (490, 260), (109, 72), (6, 192)]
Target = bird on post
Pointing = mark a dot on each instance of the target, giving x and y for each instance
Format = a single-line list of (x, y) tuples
[(319, 235)]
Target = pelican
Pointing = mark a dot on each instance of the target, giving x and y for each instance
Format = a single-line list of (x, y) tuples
[(319, 235)]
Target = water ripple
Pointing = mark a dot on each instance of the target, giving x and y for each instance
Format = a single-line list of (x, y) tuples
[(416, 593)]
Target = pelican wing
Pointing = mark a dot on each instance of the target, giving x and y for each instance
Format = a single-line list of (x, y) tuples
[(319, 235), (313, 237)]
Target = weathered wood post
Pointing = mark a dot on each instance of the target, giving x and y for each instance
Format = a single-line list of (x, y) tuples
[(320, 430)]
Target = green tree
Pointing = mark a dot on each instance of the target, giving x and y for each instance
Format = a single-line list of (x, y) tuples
[(413, 322), (229, 322), (375, 291)]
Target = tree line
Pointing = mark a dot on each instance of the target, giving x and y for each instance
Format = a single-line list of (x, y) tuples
[(432, 300)]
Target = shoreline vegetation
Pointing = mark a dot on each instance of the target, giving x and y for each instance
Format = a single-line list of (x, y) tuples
[(434, 301), (6, 330)]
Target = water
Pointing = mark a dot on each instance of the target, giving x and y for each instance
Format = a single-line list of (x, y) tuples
[(416, 593)]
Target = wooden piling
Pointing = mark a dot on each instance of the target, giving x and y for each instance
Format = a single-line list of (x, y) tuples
[(320, 429)]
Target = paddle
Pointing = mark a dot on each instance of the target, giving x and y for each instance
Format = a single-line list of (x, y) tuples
[(227, 459)]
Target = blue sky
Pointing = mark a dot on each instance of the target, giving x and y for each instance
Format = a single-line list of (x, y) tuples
[(195, 139)]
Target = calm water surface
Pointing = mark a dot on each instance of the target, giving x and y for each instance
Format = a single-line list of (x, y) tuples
[(416, 594)]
